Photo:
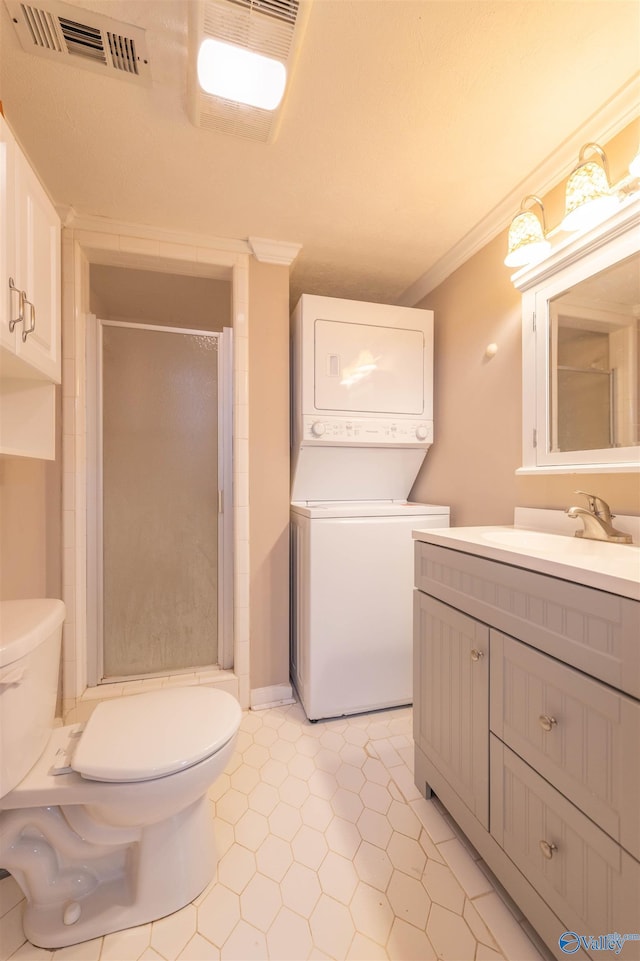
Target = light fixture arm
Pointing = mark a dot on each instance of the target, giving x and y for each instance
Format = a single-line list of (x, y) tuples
[(598, 149), (535, 200)]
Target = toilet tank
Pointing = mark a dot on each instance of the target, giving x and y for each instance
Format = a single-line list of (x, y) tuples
[(30, 635)]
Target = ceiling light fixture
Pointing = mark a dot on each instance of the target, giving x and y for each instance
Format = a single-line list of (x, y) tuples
[(241, 75), (527, 241), (588, 193)]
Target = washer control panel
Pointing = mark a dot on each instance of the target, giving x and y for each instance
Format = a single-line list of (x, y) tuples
[(365, 431)]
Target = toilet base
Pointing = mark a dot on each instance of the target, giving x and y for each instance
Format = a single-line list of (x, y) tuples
[(159, 872)]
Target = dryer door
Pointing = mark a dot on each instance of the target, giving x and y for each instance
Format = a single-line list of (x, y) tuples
[(368, 369)]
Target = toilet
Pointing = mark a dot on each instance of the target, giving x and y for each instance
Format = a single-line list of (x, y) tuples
[(105, 825)]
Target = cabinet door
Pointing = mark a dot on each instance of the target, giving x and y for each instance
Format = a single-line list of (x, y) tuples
[(37, 245), (9, 302), (451, 698), (582, 874)]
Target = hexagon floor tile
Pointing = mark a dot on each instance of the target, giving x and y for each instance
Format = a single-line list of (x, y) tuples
[(326, 850)]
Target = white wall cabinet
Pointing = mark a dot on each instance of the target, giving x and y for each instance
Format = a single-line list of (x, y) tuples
[(526, 726), (30, 341)]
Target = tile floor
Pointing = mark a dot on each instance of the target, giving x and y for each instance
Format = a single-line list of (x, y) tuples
[(327, 850)]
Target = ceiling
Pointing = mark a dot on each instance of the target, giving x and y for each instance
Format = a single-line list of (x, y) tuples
[(407, 123)]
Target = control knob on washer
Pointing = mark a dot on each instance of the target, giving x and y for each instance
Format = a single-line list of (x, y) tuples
[(318, 429), (421, 432)]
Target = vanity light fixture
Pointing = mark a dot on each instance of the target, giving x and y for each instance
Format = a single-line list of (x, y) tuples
[(527, 241), (589, 199), (241, 75)]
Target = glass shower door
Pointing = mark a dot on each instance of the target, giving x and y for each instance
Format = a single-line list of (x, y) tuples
[(160, 487)]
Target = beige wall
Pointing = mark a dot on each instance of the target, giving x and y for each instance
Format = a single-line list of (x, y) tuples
[(30, 525), (269, 473), (23, 484), (477, 401), (152, 297)]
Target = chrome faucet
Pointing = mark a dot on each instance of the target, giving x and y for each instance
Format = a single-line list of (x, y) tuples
[(596, 520)]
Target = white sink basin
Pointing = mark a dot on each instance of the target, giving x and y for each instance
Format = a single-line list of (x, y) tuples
[(516, 539), (607, 566)]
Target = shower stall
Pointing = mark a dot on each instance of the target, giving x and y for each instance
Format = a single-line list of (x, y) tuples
[(160, 577)]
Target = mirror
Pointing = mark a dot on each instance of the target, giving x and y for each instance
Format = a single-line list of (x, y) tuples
[(581, 351), (594, 400)]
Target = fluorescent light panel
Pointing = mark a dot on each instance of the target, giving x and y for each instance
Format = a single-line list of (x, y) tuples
[(235, 73)]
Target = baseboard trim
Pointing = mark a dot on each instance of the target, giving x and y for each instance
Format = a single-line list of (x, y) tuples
[(275, 696)]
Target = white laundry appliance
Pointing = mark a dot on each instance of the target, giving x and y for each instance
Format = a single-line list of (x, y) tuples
[(362, 397)]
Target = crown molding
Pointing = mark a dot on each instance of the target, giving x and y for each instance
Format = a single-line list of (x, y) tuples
[(103, 225), (602, 126), (66, 213), (274, 251)]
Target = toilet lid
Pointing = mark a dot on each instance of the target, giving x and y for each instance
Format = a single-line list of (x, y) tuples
[(149, 735)]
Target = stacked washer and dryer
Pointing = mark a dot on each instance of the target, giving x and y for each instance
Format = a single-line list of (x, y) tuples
[(362, 423)]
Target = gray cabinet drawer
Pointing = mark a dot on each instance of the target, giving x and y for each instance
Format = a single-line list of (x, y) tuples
[(451, 699), (586, 878), (591, 630), (579, 734)]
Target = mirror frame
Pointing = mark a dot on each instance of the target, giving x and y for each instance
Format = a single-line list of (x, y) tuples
[(571, 261)]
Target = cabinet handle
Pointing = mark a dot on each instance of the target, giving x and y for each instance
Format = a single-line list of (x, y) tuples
[(548, 849), (21, 299), (546, 722), (476, 655), (32, 326)]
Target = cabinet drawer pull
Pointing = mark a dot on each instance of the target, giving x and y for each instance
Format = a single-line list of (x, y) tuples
[(32, 325), (547, 722), (476, 655), (548, 849), (21, 299)]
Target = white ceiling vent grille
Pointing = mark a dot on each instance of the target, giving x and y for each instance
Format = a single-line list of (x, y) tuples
[(285, 10), (84, 39), (271, 27)]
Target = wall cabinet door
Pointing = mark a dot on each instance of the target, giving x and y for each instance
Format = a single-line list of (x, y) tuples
[(451, 699), (30, 365), (30, 261), (37, 235), (9, 303)]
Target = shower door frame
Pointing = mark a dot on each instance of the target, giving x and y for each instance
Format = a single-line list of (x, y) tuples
[(224, 494)]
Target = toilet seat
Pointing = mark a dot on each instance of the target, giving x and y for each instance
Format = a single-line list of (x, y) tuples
[(150, 735)]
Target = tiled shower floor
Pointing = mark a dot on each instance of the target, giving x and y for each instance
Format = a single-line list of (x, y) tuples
[(327, 850)]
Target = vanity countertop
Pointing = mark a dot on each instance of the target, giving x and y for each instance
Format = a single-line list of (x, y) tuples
[(614, 568)]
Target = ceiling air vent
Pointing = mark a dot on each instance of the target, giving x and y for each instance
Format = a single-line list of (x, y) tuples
[(84, 39), (286, 10), (271, 27)]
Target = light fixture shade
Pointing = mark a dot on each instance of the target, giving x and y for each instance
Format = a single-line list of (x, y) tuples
[(588, 195), (241, 75), (527, 243)]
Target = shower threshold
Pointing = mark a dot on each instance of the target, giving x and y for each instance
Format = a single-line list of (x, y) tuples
[(117, 687)]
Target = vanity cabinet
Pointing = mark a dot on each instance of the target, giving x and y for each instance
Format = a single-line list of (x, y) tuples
[(450, 719), (527, 726), (30, 307)]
